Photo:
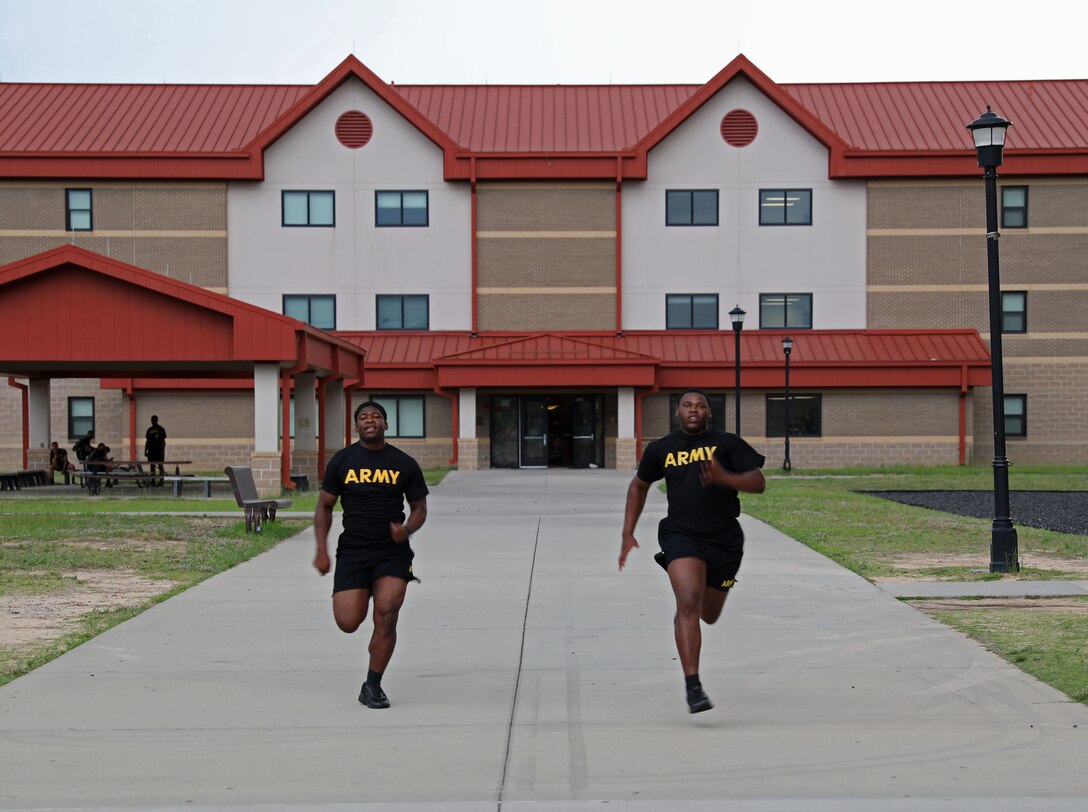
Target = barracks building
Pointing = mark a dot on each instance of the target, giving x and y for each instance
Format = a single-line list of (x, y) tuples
[(527, 276)]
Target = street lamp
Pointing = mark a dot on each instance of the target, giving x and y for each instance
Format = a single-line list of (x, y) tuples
[(988, 131), (736, 315), (787, 348)]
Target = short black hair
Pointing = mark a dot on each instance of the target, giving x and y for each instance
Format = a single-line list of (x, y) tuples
[(697, 391), (376, 405)]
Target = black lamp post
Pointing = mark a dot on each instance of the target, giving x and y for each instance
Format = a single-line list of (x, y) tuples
[(988, 131), (736, 315), (787, 348)]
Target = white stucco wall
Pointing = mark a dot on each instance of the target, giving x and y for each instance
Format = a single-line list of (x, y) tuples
[(354, 260), (739, 259)]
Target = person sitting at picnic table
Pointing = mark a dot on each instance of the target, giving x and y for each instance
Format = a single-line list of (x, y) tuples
[(101, 452), (58, 461), (84, 446)]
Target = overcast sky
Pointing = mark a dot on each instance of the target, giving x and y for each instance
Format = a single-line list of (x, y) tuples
[(539, 41)]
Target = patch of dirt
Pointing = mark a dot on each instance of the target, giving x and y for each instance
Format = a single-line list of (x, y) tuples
[(27, 620), (1067, 605), (911, 564)]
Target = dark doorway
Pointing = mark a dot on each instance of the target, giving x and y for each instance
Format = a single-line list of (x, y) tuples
[(547, 431)]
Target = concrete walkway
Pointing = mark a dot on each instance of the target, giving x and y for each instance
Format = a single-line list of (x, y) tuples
[(530, 675)]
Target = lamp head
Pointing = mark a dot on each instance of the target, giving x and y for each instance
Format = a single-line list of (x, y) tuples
[(988, 132), (736, 315), (787, 345)]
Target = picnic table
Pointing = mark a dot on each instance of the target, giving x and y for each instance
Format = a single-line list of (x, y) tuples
[(97, 472)]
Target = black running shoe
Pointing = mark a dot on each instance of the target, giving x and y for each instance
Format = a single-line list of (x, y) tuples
[(373, 696), (698, 701), (660, 559)]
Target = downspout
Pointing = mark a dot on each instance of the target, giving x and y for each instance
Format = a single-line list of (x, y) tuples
[(619, 245), (455, 409), (286, 377), (475, 256), (963, 415), (131, 420), (25, 390)]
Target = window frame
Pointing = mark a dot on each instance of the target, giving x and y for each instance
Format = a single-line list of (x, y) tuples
[(764, 300), (691, 310), (402, 192), (785, 208), (771, 430), (309, 215), (378, 298), (1022, 313), (1023, 416), (1007, 209), (669, 193), (392, 403), (71, 418), (309, 297), (69, 209)]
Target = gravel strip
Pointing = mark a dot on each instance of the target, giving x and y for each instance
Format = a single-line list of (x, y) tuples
[(1060, 511)]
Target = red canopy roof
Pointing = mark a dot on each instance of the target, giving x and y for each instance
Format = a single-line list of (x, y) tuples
[(823, 359)]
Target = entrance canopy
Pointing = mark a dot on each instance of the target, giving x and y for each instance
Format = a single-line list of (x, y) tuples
[(71, 313)]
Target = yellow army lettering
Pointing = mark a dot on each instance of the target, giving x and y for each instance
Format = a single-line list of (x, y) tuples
[(373, 476), (686, 457)]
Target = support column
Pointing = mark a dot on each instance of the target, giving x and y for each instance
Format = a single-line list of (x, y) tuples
[(468, 445), (265, 460), (304, 457), (333, 434), (40, 425), (626, 458)]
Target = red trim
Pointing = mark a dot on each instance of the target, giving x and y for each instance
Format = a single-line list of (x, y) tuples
[(619, 247), (25, 397), (455, 410), (131, 395)]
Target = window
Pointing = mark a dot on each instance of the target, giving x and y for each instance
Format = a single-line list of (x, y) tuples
[(1014, 206), (80, 417), (694, 311), (805, 415), (1016, 415), (785, 207), (309, 208), (785, 311), (400, 208), (405, 414), (717, 411), (691, 207), (1014, 311), (404, 312), (318, 310), (78, 210)]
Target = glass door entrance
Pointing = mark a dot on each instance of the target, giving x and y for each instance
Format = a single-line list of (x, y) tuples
[(547, 431)]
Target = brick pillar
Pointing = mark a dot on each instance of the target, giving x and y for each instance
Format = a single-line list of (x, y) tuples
[(625, 454), (468, 454), (266, 474)]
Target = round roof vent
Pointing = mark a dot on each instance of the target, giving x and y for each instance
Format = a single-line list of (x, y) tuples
[(353, 129), (739, 128)]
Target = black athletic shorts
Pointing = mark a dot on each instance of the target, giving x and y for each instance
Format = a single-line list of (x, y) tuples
[(722, 561), (357, 567)]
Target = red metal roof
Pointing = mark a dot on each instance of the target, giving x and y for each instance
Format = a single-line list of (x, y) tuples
[(124, 321), (874, 129), (821, 358)]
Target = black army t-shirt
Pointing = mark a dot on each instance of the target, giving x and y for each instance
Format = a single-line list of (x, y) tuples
[(704, 513), (372, 486)]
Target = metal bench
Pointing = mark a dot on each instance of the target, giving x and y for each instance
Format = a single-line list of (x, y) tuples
[(256, 509), (17, 480)]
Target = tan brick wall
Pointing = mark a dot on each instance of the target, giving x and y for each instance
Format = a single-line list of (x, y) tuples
[(522, 244), (1057, 393), (571, 207), (547, 312), (132, 223), (435, 449)]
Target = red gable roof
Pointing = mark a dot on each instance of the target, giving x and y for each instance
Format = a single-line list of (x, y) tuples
[(559, 131)]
